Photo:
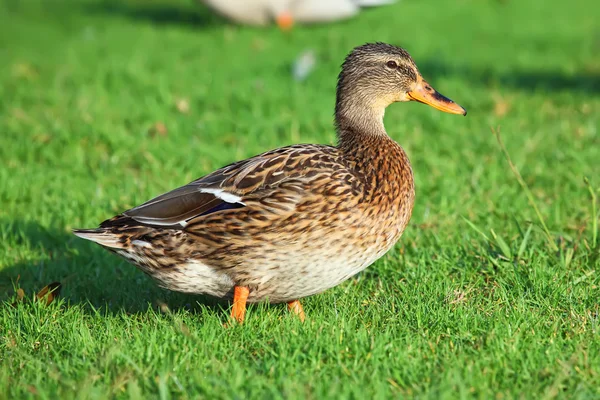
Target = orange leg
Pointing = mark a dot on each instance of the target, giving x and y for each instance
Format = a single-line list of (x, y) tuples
[(285, 21), (296, 308), (240, 296)]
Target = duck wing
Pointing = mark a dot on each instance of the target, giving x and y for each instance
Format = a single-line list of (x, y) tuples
[(278, 177)]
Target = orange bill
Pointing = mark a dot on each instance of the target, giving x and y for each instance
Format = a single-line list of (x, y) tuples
[(424, 93)]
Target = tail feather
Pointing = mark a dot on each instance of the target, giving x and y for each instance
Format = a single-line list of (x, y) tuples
[(101, 236)]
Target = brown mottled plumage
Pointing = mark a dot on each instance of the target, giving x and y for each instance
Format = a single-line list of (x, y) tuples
[(296, 220)]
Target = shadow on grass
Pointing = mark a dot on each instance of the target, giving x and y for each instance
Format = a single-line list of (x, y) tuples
[(194, 14), (89, 275), (548, 81)]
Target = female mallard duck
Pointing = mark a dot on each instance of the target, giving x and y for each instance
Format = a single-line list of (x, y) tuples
[(294, 221)]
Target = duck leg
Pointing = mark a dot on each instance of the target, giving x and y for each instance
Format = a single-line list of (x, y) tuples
[(240, 296), (296, 308), (285, 21)]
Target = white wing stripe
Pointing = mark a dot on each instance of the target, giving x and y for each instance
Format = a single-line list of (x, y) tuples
[(141, 243), (221, 194)]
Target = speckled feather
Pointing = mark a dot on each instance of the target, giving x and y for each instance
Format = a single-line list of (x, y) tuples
[(288, 223)]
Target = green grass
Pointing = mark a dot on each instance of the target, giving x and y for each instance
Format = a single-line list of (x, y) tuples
[(472, 302)]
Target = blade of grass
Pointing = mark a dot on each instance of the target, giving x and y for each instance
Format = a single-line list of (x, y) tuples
[(501, 243), (476, 229), (594, 213), (525, 188), (524, 242)]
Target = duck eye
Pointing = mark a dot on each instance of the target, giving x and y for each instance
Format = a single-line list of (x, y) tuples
[(392, 64)]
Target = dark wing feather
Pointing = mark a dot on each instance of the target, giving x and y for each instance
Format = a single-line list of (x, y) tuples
[(174, 207), (247, 177)]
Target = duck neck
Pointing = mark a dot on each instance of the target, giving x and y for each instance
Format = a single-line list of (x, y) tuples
[(359, 124), (378, 158)]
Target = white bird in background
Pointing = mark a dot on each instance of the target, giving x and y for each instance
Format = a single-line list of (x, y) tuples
[(288, 12)]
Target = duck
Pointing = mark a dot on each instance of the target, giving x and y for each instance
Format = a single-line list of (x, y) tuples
[(294, 221), (287, 12)]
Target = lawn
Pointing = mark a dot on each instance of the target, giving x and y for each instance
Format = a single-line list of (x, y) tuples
[(104, 104)]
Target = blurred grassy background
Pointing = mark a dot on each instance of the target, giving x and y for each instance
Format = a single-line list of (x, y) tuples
[(104, 104)]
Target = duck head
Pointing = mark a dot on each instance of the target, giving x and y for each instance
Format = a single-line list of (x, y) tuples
[(375, 75)]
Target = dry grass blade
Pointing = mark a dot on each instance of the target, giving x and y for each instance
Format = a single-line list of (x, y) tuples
[(20, 297), (49, 292)]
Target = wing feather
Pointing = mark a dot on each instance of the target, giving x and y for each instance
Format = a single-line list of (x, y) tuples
[(176, 208), (256, 177)]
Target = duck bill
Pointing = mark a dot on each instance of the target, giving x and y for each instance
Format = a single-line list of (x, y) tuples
[(424, 93)]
